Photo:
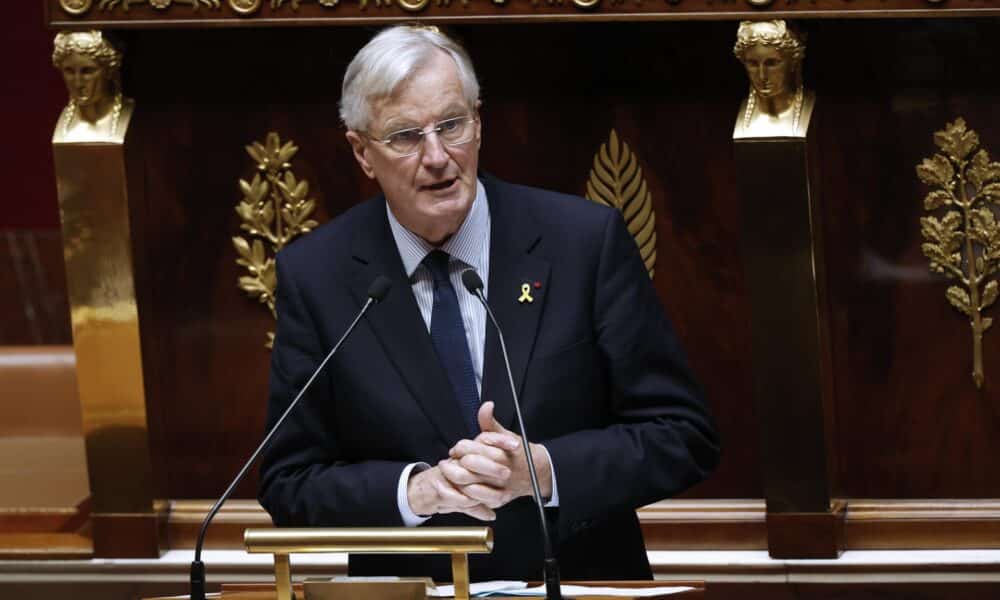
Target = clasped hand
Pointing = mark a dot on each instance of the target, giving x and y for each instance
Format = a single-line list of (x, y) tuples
[(480, 475)]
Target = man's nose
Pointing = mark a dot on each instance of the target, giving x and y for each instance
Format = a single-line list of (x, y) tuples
[(434, 152)]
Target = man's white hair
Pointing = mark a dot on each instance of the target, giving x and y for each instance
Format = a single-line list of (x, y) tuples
[(386, 61)]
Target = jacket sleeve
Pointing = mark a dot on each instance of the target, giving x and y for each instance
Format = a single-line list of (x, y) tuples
[(305, 479), (660, 439)]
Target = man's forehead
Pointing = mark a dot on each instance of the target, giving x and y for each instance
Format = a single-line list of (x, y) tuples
[(432, 87), (390, 111)]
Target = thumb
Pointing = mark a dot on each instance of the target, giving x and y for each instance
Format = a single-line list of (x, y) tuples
[(487, 422)]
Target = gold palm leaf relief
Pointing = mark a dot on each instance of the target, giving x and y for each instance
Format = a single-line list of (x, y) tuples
[(964, 243), (616, 180), (274, 210)]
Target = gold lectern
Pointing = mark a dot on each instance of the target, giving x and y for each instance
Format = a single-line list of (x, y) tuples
[(457, 541)]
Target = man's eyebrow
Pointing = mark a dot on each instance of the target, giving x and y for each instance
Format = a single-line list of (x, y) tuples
[(394, 123)]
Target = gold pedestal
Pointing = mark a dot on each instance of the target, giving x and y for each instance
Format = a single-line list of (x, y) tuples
[(94, 208)]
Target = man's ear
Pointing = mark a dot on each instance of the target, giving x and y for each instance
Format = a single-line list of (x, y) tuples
[(360, 149)]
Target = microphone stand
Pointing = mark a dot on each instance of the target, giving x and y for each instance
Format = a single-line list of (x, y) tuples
[(376, 292), (553, 590)]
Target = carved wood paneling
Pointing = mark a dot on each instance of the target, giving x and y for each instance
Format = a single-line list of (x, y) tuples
[(904, 412), (206, 370)]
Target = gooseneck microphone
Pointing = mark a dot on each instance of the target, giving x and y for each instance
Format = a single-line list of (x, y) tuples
[(377, 291), (472, 282)]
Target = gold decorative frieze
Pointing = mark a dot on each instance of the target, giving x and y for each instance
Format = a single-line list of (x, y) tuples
[(158, 4), (616, 180), (275, 210), (246, 8), (964, 243), (116, 13), (294, 4)]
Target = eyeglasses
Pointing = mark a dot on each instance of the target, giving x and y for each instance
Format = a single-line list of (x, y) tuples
[(451, 132)]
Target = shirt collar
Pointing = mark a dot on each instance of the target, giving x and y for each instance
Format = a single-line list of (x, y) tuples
[(466, 245)]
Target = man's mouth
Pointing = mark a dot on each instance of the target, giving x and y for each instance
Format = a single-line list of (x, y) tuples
[(440, 185)]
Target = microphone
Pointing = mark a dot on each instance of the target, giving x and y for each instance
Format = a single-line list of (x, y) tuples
[(377, 291), (553, 591)]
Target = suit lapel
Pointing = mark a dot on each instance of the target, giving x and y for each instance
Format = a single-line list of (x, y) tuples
[(400, 328), (513, 235)]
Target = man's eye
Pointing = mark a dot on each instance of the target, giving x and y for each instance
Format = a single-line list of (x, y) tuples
[(408, 136), (450, 125)]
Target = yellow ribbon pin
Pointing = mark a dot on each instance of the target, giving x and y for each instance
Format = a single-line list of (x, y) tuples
[(525, 294)]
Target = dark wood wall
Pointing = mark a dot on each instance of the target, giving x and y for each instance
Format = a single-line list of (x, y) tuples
[(905, 410)]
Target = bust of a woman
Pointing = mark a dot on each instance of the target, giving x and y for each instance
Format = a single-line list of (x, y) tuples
[(90, 67), (777, 105)]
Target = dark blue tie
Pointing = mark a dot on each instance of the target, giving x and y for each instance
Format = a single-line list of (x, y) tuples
[(448, 337)]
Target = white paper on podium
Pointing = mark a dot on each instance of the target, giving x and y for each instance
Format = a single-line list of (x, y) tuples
[(520, 588), (481, 589)]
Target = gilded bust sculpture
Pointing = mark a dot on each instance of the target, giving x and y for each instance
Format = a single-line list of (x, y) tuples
[(777, 104), (90, 66)]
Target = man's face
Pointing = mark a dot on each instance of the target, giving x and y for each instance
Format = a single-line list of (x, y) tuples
[(768, 70), (429, 192), (84, 79)]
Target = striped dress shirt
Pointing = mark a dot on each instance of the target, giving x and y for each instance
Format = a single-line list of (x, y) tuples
[(469, 248)]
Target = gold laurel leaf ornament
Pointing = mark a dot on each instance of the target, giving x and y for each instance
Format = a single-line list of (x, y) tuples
[(962, 240), (274, 210), (616, 180)]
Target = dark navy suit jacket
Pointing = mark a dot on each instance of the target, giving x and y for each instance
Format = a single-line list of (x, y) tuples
[(603, 383)]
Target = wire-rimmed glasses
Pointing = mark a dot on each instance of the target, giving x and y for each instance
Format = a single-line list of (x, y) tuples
[(452, 132)]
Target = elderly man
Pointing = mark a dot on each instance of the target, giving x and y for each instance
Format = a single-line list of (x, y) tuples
[(411, 421)]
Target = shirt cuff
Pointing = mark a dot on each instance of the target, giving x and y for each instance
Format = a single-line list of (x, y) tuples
[(411, 519), (554, 500)]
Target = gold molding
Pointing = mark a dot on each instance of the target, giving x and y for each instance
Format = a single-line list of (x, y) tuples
[(616, 180), (109, 5), (273, 209), (964, 244)]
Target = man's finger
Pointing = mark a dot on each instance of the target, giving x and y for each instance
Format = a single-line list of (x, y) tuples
[(507, 441), (481, 512), (494, 452), (490, 496), (448, 495), (456, 474), (475, 469), (485, 467), (487, 422)]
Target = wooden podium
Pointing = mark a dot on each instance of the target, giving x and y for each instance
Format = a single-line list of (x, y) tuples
[(458, 542)]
